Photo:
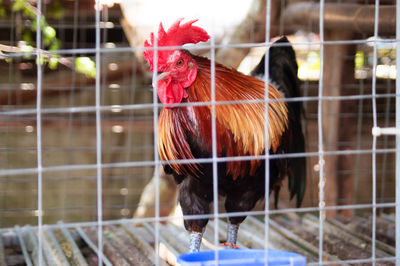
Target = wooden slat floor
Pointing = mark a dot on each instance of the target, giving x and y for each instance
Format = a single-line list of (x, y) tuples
[(346, 242)]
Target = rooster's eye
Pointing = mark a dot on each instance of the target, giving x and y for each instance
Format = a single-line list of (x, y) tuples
[(180, 62)]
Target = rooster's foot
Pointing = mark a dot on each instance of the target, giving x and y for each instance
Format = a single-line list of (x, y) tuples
[(228, 245)]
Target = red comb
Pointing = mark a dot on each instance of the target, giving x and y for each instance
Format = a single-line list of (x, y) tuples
[(176, 35)]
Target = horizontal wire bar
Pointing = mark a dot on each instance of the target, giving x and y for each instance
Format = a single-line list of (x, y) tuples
[(80, 178), (110, 119), (134, 206), (87, 109), (355, 261), (196, 47), (80, 148), (22, 171), (119, 177), (77, 208), (150, 146), (122, 87), (220, 215)]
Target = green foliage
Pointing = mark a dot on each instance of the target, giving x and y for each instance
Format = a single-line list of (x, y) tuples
[(29, 12), (43, 24), (53, 62), (359, 59), (3, 12), (49, 34), (55, 10), (27, 49), (86, 66), (27, 37), (18, 5), (55, 45), (42, 60)]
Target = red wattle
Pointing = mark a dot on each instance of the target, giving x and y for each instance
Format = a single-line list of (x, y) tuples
[(170, 92)]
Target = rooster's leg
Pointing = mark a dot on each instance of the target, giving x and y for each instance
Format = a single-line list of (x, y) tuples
[(194, 198), (241, 200), (232, 233), (232, 236), (195, 241)]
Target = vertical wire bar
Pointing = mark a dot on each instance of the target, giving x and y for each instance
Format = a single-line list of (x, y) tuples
[(98, 142), (104, 18), (70, 104), (281, 19), (131, 117), (385, 145), (266, 124), (156, 156), (306, 91), (358, 147), (214, 146), (11, 79), (375, 124), (39, 129), (320, 135), (398, 136)]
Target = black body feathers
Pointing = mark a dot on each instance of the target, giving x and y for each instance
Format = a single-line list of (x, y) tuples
[(283, 73), (196, 193)]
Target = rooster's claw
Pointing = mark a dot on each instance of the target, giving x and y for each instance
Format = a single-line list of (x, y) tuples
[(228, 245)]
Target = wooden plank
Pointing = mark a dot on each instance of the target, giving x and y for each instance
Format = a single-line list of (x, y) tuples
[(142, 242), (70, 248), (54, 248), (126, 246), (92, 245), (2, 252)]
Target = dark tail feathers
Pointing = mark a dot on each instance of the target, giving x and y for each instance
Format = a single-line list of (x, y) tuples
[(283, 74), (282, 68)]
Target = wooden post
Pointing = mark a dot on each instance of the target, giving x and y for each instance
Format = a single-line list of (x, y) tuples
[(338, 70)]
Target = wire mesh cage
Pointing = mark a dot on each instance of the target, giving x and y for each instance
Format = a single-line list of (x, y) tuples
[(81, 179)]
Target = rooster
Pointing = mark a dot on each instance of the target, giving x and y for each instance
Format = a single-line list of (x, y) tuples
[(185, 130)]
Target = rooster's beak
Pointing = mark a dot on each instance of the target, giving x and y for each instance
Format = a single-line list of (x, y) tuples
[(159, 77)]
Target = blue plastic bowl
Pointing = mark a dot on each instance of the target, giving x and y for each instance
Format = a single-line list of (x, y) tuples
[(241, 257)]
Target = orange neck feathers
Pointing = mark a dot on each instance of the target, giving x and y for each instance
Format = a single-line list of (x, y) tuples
[(240, 126)]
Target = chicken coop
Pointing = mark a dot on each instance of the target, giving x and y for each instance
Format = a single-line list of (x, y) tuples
[(81, 178)]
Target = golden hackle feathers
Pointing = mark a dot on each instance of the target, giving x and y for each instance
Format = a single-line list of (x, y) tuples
[(240, 126), (172, 143)]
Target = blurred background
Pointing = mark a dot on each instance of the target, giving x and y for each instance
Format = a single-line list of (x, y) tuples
[(68, 31)]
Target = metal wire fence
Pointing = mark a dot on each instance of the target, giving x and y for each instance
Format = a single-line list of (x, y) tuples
[(81, 149)]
